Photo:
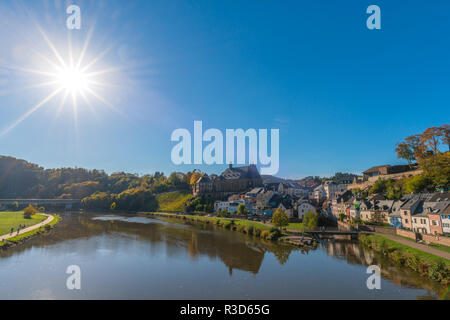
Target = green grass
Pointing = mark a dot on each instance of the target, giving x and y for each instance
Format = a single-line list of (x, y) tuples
[(238, 222), (426, 264), (32, 232), (397, 245), (433, 245), (10, 220), (440, 247), (296, 226), (172, 201)]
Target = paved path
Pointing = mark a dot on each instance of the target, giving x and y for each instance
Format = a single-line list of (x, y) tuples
[(22, 231), (417, 246)]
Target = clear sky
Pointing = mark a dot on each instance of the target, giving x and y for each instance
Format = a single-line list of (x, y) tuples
[(341, 95)]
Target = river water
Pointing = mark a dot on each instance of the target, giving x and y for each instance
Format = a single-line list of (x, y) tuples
[(137, 257)]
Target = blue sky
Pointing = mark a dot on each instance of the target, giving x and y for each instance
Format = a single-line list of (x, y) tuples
[(341, 95)]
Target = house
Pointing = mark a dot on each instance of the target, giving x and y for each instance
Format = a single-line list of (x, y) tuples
[(287, 207), (384, 170), (318, 194), (221, 206), (394, 217), (333, 188), (435, 223), (303, 206), (234, 205), (445, 218), (339, 203), (407, 209), (421, 223), (291, 188), (395, 220), (365, 212), (233, 180)]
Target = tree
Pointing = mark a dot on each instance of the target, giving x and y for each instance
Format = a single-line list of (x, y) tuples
[(416, 184), (411, 149), (431, 138), (241, 209), (194, 177), (445, 132), (29, 211), (437, 169), (404, 151), (280, 218), (113, 206), (15, 205), (310, 220), (41, 209)]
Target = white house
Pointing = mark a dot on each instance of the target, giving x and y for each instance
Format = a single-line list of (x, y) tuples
[(303, 207), (234, 205), (318, 194), (221, 205), (333, 189)]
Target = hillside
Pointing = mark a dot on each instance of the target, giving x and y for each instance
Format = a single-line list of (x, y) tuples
[(172, 201)]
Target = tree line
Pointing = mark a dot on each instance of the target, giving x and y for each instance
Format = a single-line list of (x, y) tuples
[(21, 179)]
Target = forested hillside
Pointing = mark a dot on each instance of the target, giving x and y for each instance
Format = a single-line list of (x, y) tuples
[(22, 179)]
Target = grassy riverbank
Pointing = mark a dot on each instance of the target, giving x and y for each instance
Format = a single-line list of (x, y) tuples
[(245, 226), (22, 237), (12, 219), (428, 265)]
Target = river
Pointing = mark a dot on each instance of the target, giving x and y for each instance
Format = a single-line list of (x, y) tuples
[(136, 257)]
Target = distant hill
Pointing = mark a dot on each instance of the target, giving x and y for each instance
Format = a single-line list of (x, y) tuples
[(272, 179)]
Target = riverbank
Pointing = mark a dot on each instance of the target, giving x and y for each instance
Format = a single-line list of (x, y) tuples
[(428, 265), (253, 228), (12, 219), (7, 241)]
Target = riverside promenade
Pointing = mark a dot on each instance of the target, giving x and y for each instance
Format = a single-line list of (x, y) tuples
[(28, 229)]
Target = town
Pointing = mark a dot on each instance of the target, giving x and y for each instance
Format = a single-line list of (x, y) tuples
[(334, 200)]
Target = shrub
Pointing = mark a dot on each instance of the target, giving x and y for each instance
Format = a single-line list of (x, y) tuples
[(29, 211), (265, 234)]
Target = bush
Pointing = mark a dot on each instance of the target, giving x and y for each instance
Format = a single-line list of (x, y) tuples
[(265, 234), (29, 211)]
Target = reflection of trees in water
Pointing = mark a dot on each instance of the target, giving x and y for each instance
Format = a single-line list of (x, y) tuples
[(235, 250), (354, 253)]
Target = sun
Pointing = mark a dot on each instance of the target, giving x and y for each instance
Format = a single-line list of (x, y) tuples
[(74, 80)]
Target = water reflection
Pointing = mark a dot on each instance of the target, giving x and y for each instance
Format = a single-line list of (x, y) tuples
[(160, 258)]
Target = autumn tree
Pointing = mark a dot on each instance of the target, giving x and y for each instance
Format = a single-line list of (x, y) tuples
[(310, 220), (29, 211), (431, 139), (280, 218)]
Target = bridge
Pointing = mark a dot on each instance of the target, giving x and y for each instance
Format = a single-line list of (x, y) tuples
[(67, 203)]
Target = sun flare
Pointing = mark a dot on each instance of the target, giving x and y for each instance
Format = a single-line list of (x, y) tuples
[(70, 78), (73, 80)]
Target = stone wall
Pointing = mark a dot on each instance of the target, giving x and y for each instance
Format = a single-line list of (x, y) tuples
[(442, 240), (406, 233)]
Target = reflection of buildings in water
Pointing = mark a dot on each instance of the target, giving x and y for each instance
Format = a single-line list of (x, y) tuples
[(354, 253), (193, 245)]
